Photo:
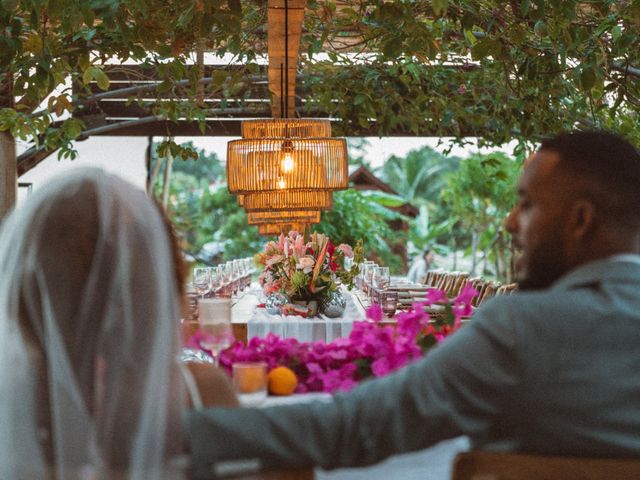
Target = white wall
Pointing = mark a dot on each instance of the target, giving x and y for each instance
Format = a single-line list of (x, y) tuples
[(122, 156)]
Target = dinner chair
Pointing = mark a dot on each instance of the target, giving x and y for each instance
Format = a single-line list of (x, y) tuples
[(510, 466), (292, 474)]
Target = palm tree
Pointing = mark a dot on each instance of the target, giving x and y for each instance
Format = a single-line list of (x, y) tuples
[(420, 176)]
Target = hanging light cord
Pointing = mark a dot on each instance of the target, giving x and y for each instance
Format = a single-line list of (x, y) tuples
[(286, 58)]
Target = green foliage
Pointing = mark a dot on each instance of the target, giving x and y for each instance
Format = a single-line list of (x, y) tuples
[(479, 196), (537, 67), (203, 210), (356, 216), (201, 164), (419, 176), (493, 69), (358, 147), (46, 46)]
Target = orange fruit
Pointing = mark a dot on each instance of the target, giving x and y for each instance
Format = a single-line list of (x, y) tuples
[(282, 381)]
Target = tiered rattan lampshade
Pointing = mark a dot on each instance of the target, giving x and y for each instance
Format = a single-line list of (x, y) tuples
[(278, 228), (259, 165), (299, 216), (286, 128), (287, 200)]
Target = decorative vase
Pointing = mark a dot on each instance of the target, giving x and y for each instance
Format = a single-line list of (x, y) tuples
[(274, 303), (336, 305), (310, 305)]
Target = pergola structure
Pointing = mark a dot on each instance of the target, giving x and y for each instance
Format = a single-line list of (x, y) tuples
[(262, 93)]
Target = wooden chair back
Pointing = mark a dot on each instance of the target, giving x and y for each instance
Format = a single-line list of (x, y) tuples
[(510, 466)]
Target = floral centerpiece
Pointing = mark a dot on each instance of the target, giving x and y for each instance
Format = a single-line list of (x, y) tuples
[(307, 271)]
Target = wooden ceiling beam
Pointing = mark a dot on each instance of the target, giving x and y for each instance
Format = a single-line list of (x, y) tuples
[(284, 27)]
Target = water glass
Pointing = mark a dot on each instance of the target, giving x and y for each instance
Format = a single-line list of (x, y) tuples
[(250, 382), (190, 352), (215, 325)]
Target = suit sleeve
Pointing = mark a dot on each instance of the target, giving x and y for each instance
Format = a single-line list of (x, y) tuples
[(460, 387)]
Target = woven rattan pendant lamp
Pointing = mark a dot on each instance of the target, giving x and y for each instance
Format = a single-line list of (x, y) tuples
[(300, 216), (279, 155), (278, 228), (286, 200)]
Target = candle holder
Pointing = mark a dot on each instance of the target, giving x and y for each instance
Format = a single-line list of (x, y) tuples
[(389, 302), (250, 382)]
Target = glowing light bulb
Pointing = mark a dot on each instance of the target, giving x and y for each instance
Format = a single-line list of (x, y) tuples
[(287, 162), (282, 184)]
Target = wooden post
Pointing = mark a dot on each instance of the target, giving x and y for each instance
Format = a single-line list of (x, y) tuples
[(8, 165)]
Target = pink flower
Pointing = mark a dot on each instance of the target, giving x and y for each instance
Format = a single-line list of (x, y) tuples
[(346, 250), (381, 367), (467, 294), (274, 260), (305, 263), (435, 295), (374, 312), (299, 247)]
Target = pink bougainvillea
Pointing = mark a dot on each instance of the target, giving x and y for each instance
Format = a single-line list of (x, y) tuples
[(372, 349)]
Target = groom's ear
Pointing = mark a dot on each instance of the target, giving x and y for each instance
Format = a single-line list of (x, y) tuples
[(582, 220)]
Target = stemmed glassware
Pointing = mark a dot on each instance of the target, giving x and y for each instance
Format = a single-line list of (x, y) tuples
[(362, 276), (381, 278), (227, 280), (215, 325), (368, 276), (237, 276), (216, 280), (202, 281)]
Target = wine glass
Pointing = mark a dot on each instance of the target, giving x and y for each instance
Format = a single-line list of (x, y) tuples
[(364, 267), (215, 325), (368, 275), (202, 281), (381, 278), (227, 287), (237, 276), (189, 351), (215, 280)]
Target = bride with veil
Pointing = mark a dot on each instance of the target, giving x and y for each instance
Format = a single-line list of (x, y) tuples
[(90, 385)]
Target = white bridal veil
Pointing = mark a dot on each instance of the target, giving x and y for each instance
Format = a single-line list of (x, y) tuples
[(89, 385)]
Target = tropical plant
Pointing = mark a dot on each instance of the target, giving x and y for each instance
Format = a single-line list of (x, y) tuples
[(419, 176), (364, 215), (479, 196)]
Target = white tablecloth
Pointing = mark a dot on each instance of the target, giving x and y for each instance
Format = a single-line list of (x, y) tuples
[(306, 329)]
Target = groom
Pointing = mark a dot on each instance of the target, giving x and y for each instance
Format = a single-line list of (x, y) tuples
[(552, 369)]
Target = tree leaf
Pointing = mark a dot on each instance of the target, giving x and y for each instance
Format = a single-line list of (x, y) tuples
[(587, 78), (101, 79), (440, 6)]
